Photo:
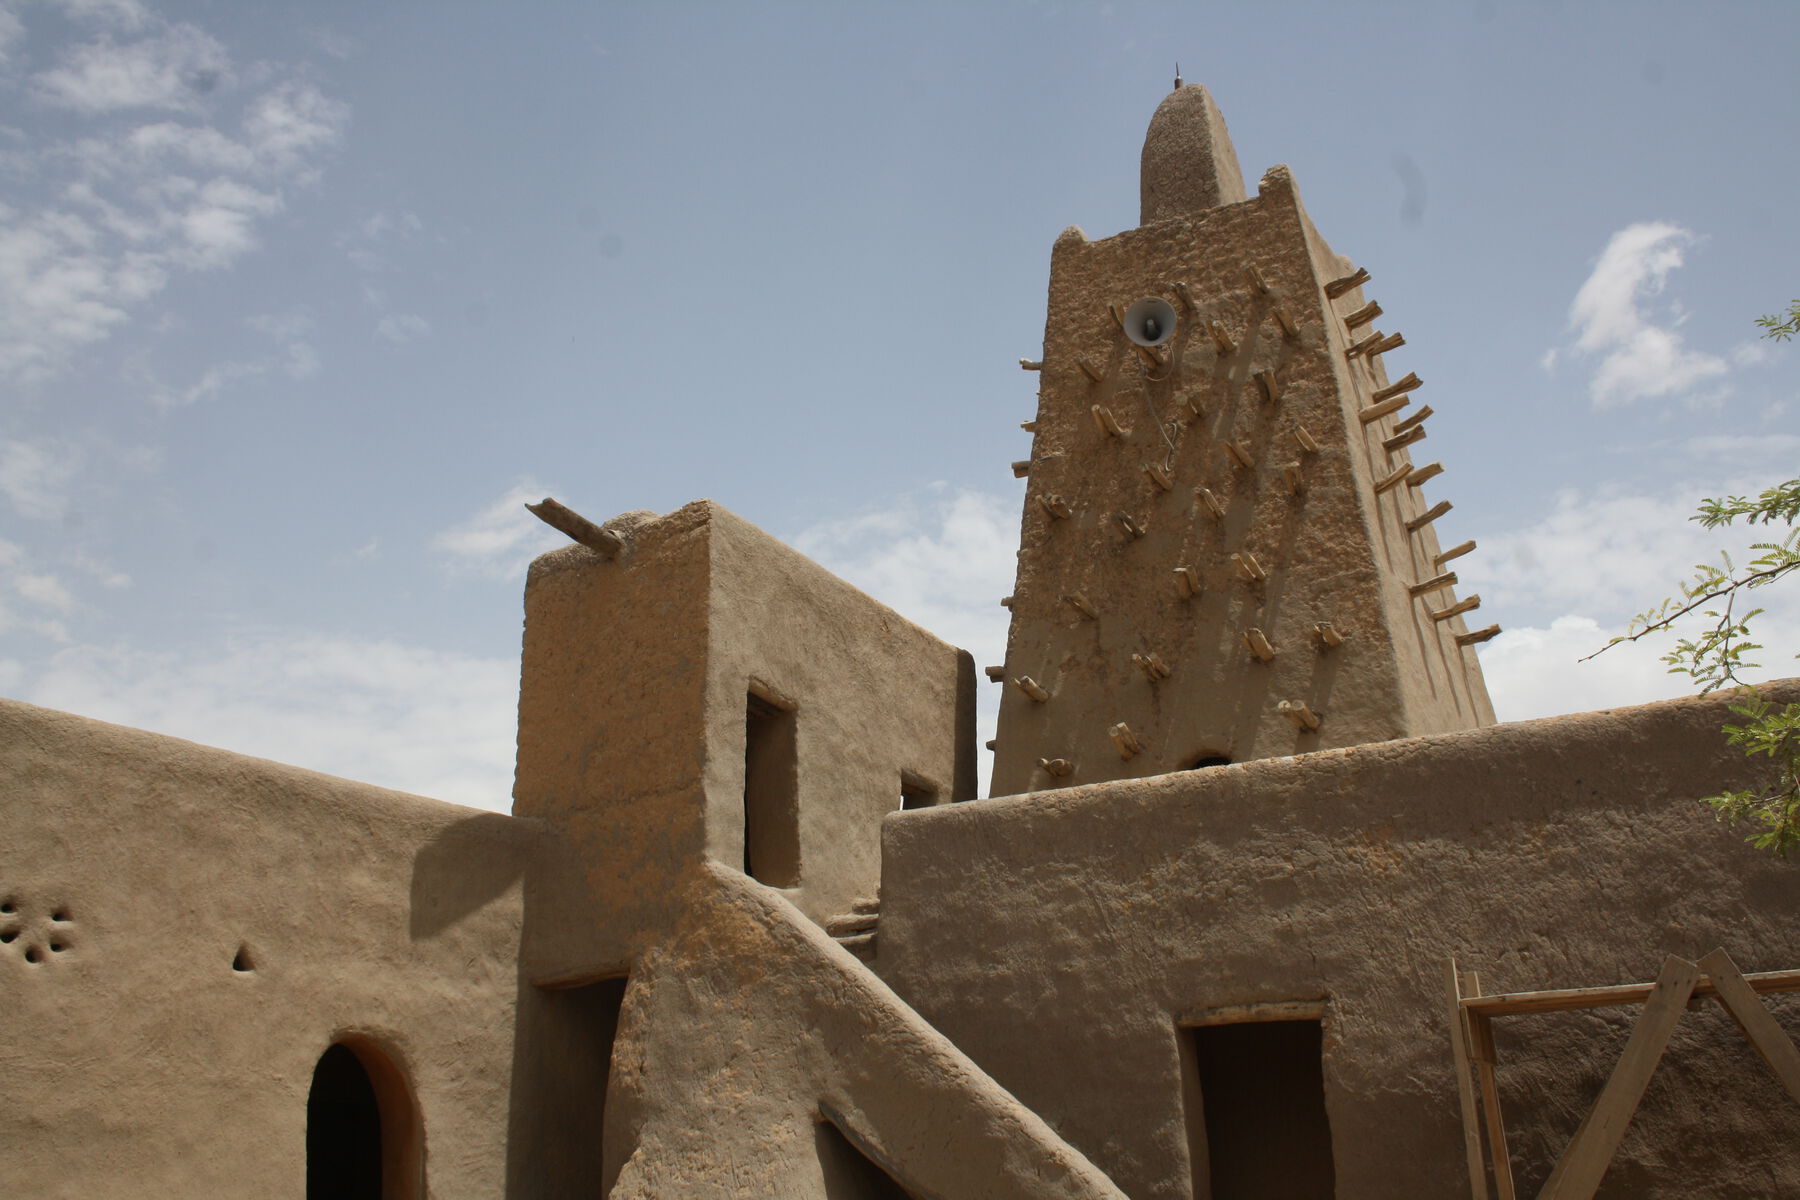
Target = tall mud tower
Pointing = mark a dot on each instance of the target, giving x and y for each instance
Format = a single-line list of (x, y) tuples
[(1227, 550)]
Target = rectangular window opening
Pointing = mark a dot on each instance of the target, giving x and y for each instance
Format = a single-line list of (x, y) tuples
[(1261, 1132), (916, 791), (771, 792)]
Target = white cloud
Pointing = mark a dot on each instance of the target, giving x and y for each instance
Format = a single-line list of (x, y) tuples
[(12, 31), (402, 327), (125, 204), (427, 721), (174, 67), (1641, 355), (35, 477), (501, 539)]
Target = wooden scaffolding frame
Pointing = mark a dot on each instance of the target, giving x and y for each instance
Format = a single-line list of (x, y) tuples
[(1584, 1161)]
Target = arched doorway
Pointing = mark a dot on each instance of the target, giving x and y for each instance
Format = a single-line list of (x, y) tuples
[(361, 1130)]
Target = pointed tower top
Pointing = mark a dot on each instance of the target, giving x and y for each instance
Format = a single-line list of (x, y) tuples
[(1188, 165)]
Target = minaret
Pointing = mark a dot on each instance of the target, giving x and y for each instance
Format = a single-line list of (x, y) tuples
[(1228, 550)]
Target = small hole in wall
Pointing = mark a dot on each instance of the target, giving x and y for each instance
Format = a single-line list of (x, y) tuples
[(56, 947), (241, 962), (7, 906), (31, 954), (61, 914), (9, 935)]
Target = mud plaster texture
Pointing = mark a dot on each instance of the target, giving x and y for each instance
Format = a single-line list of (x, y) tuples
[(1334, 551), (1063, 939), (140, 1061)]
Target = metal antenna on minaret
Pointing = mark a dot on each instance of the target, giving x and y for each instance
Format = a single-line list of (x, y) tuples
[(1178, 76)]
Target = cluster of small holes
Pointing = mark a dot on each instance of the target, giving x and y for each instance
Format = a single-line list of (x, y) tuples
[(36, 941)]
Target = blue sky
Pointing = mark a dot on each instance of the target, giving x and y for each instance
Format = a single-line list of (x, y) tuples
[(299, 303)]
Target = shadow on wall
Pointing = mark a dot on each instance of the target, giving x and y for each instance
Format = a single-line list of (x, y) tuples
[(465, 868)]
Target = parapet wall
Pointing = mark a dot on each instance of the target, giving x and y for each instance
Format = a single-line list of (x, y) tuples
[(204, 925), (1063, 939)]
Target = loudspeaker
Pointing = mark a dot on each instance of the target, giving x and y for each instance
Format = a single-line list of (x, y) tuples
[(1150, 322)]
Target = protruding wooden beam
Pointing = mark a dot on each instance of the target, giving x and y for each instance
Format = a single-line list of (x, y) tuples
[(1417, 418), (1328, 635), (1126, 741), (992, 743), (1271, 387), (1466, 604), (996, 674), (1056, 768), (1195, 409), (1022, 468), (1030, 687), (1453, 552), (1358, 348), (1308, 444), (1088, 368), (1260, 647), (1187, 298), (1028, 426), (1221, 337), (1006, 602), (1055, 505), (1031, 364), (1363, 315), (1405, 385), (577, 528), (1109, 424), (1295, 480), (1256, 279), (1160, 477), (1284, 319), (1393, 480), (1082, 605), (1428, 516), (1152, 666), (1436, 583), (1132, 529), (1253, 570), (1478, 636), (1415, 434), (1239, 452), (1210, 502), (1392, 341), (1301, 714), (1428, 471), (1377, 411), (1338, 287), (1187, 582)]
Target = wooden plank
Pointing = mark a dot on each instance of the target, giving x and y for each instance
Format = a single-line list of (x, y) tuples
[(1754, 1018), (1569, 999), (1584, 1161), (1481, 1047), (1465, 1083)]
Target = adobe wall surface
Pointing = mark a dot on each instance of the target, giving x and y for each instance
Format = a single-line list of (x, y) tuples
[(138, 1062), (632, 724), (747, 1029), (1333, 551), (1059, 939)]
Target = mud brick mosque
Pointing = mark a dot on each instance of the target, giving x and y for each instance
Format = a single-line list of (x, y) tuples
[(1250, 914)]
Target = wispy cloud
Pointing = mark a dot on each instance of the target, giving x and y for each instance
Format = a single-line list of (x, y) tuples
[(1641, 354), (168, 169), (502, 538), (429, 721), (35, 477)]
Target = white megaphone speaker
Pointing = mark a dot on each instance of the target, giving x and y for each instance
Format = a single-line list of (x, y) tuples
[(1150, 322)]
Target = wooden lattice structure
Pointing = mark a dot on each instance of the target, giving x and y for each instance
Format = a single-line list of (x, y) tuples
[(1584, 1161)]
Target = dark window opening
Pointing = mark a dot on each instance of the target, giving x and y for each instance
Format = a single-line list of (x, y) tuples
[(343, 1130), (849, 1173), (771, 793), (1210, 760), (916, 791), (1262, 1088)]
